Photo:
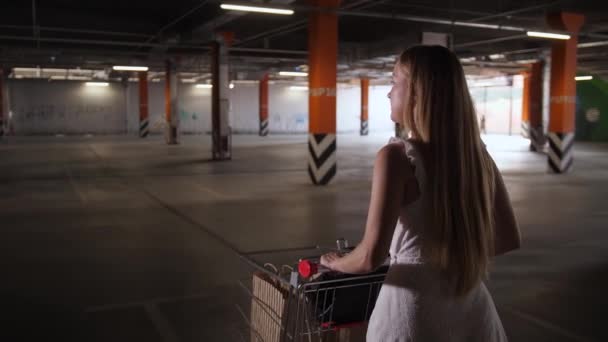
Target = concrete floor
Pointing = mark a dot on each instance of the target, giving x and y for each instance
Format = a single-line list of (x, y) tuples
[(123, 239)]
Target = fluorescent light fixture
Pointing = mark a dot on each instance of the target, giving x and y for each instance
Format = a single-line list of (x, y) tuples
[(204, 86), (231, 86), (526, 61), (25, 69), (78, 78), (496, 56), (130, 68), (592, 44), (257, 9), (293, 73), (156, 80), (583, 78), (188, 80), (57, 77), (548, 35), (97, 84), (298, 88)]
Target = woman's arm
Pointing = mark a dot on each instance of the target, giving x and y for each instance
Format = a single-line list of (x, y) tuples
[(391, 171), (508, 237)]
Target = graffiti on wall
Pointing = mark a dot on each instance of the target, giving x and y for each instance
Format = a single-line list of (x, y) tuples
[(53, 112)]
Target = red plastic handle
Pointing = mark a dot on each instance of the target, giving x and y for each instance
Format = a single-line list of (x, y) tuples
[(307, 268)]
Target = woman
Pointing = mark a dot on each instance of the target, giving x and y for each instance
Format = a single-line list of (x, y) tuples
[(438, 207)]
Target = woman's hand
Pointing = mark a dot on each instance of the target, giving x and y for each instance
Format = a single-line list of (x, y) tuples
[(330, 260)]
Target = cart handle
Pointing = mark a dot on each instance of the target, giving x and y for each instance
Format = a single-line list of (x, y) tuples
[(307, 268)]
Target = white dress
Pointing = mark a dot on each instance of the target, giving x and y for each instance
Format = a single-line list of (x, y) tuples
[(411, 305)]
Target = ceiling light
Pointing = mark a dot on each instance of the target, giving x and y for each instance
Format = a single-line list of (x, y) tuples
[(57, 77), (496, 56), (231, 86), (256, 9), (298, 88), (592, 44), (188, 80), (526, 61), (583, 78), (97, 84), (77, 78), (130, 68), (204, 86), (293, 73), (548, 35)]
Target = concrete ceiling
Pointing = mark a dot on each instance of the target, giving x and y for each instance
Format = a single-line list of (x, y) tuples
[(98, 34)]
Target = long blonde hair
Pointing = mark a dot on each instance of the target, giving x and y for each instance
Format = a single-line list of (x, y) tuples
[(461, 177)]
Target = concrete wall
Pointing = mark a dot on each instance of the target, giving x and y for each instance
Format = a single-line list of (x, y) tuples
[(43, 107), (70, 107)]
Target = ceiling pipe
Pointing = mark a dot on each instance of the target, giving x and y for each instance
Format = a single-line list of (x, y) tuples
[(450, 22), (173, 22), (69, 30), (520, 10), (301, 24), (102, 42), (489, 41)]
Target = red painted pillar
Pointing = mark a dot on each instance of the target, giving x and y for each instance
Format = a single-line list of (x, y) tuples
[(143, 104), (322, 63), (531, 114), (264, 106), (563, 91), (364, 105)]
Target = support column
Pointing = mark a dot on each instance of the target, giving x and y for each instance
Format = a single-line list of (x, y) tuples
[(2, 112), (264, 106), (322, 63), (220, 101), (563, 92), (143, 104), (364, 106), (171, 105), (532, 114), (525, 105)]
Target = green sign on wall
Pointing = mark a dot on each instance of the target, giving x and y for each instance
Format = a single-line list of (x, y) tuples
[(592, 110)]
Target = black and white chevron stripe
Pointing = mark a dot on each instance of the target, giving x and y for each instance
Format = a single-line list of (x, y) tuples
[(525, 129), (264, 128), (537, 139), (143, 128), (364, 128), (321, 158), (560, 151)]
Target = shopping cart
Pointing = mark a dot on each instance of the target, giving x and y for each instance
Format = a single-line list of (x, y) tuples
[(302, 301)]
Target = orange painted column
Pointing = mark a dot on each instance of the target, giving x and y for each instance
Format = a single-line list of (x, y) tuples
[(264, 106), (143, 104), (322, 64), (171, 106), (364, 106), (532, 115), (562, 98), (525, 106)]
